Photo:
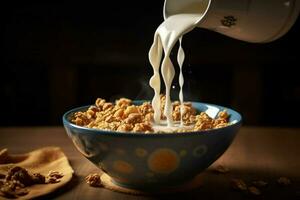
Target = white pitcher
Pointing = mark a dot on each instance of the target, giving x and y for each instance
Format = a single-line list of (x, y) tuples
[(256, 21)]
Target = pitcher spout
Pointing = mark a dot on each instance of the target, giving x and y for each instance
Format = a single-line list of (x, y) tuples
[(257, 21)]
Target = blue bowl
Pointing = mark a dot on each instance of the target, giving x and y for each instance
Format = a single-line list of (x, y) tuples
[(151, 161)]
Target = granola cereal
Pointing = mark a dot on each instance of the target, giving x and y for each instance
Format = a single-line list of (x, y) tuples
[(53, 177), (55, 174), (124, 116), (17, 179), (93, 180), (7, 191), (38, 178), (19, 175)]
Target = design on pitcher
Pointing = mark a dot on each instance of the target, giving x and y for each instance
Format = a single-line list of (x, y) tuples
[(229, 21)]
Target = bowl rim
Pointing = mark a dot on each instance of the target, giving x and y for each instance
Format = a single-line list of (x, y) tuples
[(163, 134)]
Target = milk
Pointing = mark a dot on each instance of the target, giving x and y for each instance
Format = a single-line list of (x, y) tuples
[(165, 37), (180, 59)]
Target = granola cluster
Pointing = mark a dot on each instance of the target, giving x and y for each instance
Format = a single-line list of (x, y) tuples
[(53, 177), (94, 180), (124, 116), (16, 181)]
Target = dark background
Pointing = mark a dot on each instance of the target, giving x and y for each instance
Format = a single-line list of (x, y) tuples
[(59, 56)]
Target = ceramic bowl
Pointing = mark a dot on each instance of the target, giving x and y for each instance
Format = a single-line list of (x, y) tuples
[(150, 161)]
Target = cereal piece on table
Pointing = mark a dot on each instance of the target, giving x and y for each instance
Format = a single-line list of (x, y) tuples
[(94, 180), (238, 184), (260, 183), (254, 190), (284, 181)]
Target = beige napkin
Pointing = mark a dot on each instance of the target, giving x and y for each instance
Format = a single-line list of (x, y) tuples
[(39, 161)]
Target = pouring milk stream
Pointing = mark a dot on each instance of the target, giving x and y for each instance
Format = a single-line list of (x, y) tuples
[(247, 20), (166, 36)]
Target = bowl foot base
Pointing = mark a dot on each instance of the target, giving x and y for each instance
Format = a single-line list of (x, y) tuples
[(110, 184)]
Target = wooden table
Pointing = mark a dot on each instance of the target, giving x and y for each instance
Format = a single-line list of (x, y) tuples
[(256, 154)]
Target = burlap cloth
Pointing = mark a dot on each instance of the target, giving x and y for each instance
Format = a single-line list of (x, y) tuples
[(39, 161)]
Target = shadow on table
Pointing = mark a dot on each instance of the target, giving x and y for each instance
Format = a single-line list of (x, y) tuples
[(218, 186), (215, 186)]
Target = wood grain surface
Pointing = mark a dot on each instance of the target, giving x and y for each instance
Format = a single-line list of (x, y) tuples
[(256, 154)]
